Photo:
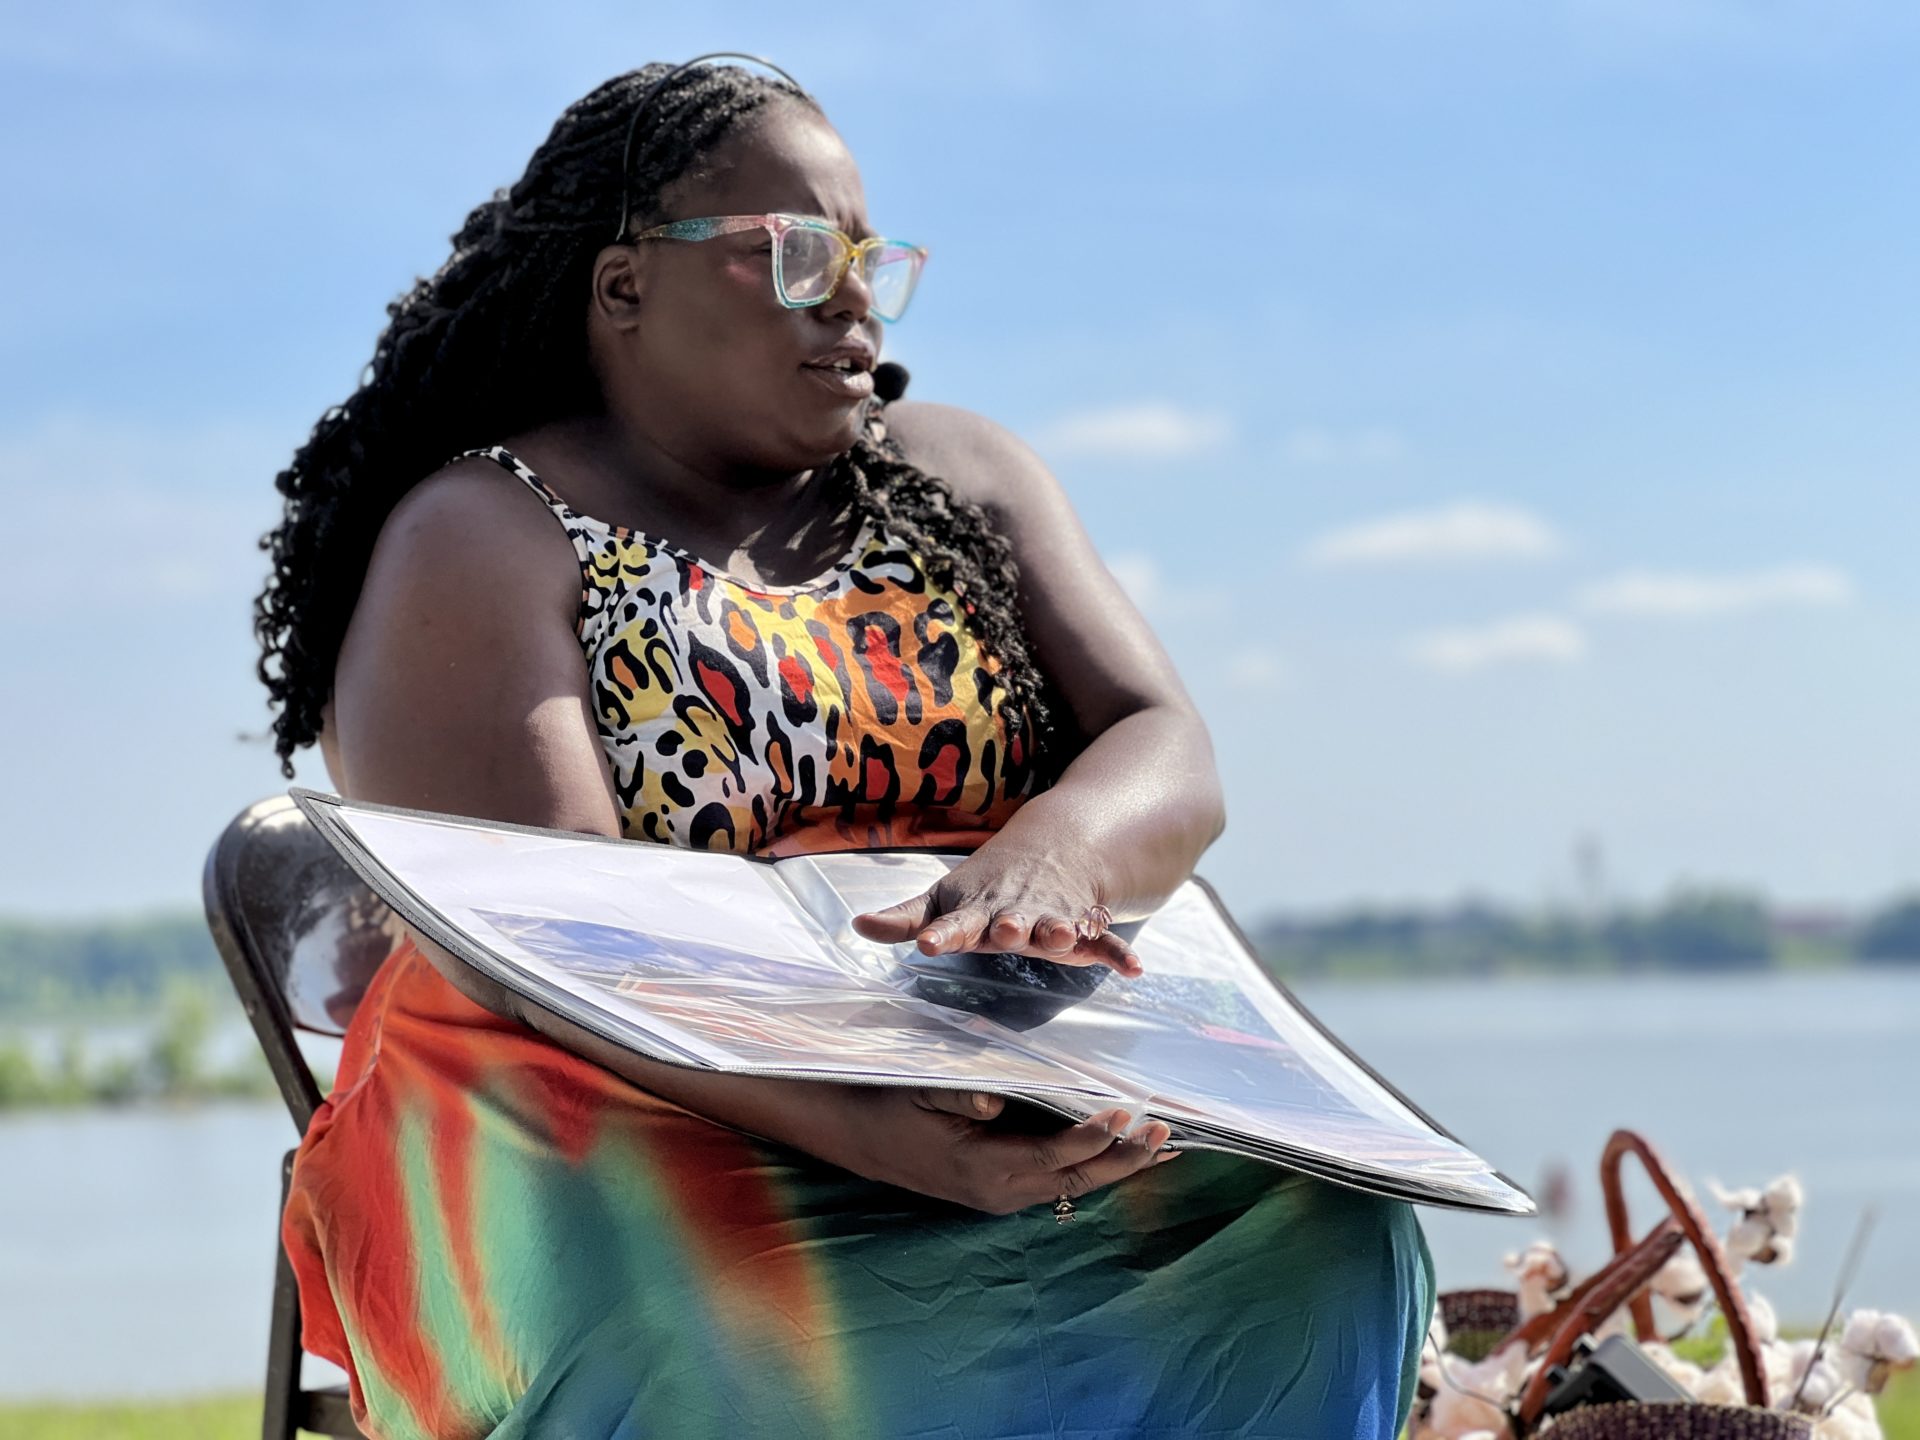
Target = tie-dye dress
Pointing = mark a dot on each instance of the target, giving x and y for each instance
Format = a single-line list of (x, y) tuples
[(495, 1237)]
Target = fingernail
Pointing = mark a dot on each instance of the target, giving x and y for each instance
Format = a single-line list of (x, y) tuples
[(1118, 1121), (982, 1104), (1166, 1155)]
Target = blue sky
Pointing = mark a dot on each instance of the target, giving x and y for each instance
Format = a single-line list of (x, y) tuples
[(1504, 411)]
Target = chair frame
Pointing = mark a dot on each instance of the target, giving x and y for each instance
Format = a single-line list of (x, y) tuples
[(287, 1408)]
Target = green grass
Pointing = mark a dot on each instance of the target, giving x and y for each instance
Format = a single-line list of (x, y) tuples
[(1900, 1408), (236, 1418)]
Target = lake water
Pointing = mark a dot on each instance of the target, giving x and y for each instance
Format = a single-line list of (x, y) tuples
[(136, 1247)]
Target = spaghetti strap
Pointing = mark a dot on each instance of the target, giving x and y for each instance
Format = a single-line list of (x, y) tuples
[(577, 535), (512, 463)]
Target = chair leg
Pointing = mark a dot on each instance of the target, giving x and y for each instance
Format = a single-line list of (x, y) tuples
[(283, 1336)]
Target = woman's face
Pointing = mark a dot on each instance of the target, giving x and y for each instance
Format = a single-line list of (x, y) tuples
[(706, 358)]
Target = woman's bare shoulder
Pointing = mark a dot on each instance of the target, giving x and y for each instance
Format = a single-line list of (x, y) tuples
[(1099, 650), (477, 532), (460, 683), (476, 502), (979, 458)]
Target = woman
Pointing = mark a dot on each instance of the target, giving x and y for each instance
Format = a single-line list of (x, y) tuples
[(794, 638)]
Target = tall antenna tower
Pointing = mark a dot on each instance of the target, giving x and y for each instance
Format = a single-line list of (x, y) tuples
[(1590, 875)]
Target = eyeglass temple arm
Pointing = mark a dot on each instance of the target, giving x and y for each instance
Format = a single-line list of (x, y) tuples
[(707, 227)]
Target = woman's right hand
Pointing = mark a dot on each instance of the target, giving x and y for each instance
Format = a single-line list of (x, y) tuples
[(938, 1143)]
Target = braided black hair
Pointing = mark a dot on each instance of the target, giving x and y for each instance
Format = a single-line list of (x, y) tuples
[(490, 346)]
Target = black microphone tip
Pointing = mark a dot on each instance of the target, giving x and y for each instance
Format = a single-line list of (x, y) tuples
[(889, 381)]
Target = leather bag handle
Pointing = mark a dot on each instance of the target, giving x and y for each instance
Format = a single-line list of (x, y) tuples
[(1706, 1245), (1624, 1277)]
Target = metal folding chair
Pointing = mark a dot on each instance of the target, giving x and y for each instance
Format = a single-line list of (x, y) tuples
[(301, 936)]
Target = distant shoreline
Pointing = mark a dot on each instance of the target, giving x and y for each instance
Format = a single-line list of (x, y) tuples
[(127, 967)]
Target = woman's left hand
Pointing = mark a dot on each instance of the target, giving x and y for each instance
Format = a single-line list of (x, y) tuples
[(1005, 903)]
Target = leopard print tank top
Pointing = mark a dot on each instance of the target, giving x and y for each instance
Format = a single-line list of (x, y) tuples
[(854, 711)]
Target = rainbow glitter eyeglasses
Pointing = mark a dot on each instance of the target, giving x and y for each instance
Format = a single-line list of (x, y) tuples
[(811, 258)]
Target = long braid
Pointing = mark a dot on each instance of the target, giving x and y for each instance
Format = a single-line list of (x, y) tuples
[(962, 551), (490, 345)]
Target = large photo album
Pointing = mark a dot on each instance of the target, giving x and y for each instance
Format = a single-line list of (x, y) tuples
[(752, 966)]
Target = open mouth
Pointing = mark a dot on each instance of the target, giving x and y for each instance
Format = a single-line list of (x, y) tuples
[(843, 375)]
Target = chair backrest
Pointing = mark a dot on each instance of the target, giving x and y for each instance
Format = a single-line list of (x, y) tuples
[(300, 933)]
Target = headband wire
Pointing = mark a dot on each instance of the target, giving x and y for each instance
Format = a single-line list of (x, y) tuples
[(633, 125)]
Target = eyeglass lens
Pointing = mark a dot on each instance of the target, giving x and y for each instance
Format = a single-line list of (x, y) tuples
[(810, 262)]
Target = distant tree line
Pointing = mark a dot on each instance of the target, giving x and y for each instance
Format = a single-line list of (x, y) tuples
[(1696, 930), (170, 1064), (130, 966), (119, 965), (1892, 934)]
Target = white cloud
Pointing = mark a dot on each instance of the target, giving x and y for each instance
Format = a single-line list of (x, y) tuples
[(1469, 530), (1310, 445), (1519, 640), (1151, 430), (1146, 585), (1139, 576), (1259, 670), (1678, 595)]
